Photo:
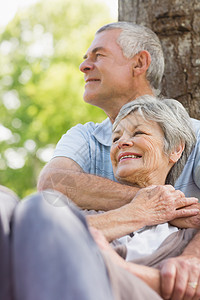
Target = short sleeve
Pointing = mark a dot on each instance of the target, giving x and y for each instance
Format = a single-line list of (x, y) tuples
[(75, 145)]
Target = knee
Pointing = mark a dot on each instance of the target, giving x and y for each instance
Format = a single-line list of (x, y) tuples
[(47, 209)]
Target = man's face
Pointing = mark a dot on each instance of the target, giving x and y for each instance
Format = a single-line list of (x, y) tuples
[(107, 73)]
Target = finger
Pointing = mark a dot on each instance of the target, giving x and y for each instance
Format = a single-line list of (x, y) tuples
[(191, 287), (170, 187), (181, 202), (197, 292), (180, 285), (186, 212), (168, 275)]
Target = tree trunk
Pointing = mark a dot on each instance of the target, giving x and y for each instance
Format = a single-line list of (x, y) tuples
[(177, 24)]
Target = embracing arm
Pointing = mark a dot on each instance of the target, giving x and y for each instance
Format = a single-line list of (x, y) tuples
[(86, 190), (151, 206)]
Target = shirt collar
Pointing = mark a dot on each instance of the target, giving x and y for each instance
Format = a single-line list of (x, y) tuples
[(103, 132)]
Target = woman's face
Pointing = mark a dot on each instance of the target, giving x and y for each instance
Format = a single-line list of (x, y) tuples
[(137, 153)]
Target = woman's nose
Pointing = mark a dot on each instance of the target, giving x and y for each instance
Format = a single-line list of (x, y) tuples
[(86, 66), (125, 143)]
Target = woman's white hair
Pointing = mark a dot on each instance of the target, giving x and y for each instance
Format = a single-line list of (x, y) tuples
[(135, 38), (173, 120)]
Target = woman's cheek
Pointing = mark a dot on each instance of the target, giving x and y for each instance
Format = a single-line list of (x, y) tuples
[(113, 154), (151, 151)]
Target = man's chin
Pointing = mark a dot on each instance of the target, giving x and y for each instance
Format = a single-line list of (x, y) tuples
[(91, 99), (88, 97)]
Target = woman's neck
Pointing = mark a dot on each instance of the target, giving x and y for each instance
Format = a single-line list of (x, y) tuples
[(143, 182)]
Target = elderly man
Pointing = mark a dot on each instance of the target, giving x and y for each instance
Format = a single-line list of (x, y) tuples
[(124, 61)]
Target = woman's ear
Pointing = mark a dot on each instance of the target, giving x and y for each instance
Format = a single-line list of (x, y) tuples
[(176, 153), (141, 62)]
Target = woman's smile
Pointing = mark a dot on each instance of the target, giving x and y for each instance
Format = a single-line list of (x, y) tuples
[(127, 155)]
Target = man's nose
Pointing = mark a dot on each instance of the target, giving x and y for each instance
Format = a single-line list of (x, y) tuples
[(123, 143), (85, 66)]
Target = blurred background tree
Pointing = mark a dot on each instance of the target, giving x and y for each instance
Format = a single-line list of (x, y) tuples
[(41, 86)]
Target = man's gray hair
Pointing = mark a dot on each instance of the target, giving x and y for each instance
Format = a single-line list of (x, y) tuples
[(135, 38), (174, 122)]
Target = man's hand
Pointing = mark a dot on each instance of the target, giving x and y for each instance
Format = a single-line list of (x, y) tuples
[(180, 278)]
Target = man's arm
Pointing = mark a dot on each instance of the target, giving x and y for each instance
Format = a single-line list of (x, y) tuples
[(151, 206), (86, 190), (180, 276)]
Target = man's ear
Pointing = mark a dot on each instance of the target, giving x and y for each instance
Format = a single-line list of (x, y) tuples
[(141, 62), (176, 153)]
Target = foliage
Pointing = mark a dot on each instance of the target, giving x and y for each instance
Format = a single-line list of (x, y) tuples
[(41, 85)]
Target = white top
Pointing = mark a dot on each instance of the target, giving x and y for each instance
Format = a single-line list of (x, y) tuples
[(146, 240)]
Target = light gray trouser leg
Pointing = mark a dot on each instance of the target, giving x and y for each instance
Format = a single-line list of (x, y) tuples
[(54, 256), (8, 202)]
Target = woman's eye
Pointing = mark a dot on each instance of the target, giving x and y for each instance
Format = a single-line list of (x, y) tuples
[(115, 139), (138, 132)]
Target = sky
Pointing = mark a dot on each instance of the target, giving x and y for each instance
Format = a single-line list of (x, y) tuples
[(9, 8)]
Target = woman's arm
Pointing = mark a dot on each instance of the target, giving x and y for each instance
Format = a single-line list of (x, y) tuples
[(149, 275)]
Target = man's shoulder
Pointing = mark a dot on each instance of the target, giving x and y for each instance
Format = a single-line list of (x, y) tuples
[(91, 126), (196, 126), (100, 131)]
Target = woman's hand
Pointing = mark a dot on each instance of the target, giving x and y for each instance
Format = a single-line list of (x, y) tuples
[(188, 222), (160, 204)]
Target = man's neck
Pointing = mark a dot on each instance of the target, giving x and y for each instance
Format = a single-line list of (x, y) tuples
[(117, 105)]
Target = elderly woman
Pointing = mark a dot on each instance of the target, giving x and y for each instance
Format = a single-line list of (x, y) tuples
[(151, 142)]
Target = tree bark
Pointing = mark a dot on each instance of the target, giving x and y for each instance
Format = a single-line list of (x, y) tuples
[(177, 24)]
